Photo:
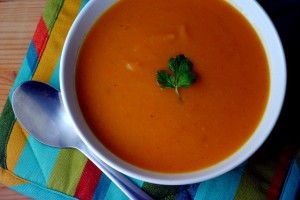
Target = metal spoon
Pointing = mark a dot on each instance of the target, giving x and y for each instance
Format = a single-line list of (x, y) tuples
[(39, 109)]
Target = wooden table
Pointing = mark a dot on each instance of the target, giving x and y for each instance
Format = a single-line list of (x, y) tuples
[(18, 20)]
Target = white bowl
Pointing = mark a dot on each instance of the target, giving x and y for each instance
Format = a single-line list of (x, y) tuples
[(271, 42)]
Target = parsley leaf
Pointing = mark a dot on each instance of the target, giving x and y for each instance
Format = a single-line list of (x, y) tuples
[(181, 75), (165, 79)]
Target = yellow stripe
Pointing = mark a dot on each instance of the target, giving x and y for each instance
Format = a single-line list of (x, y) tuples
[(9, 179), (15, 146), (56, 40)]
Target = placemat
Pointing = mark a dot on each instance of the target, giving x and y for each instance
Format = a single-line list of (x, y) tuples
[(42, 172)]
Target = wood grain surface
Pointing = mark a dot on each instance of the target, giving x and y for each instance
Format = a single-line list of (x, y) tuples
[(18, 21)]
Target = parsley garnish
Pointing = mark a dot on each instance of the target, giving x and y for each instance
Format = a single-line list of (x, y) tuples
[(182, 75)]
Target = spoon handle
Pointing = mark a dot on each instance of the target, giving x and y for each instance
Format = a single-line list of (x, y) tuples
[(126, 185)]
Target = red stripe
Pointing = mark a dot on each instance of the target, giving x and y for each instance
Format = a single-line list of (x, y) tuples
[(88, 181), (280, 172), (40, 37)]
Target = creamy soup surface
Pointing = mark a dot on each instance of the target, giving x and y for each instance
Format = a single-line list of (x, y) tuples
[(152, 128)]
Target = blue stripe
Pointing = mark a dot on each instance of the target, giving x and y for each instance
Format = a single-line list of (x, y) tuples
[(36, 192), (24, 74), (105, 186), (102, 187), (292, 184), (223, 187), (193, 190), (183, 193), (45, 162), (33, 164), (32, 57), (114, 192)]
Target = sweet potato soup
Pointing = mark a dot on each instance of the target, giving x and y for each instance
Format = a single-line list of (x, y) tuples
[(153, 128)]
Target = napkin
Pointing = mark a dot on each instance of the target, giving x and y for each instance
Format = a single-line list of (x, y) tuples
[(42, 172)]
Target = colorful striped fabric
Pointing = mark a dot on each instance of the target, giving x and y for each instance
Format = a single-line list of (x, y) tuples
[(43, 172)]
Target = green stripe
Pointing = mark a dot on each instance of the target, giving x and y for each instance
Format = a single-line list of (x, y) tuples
[(161, 191), (67, 171), (256, 179), (7, 120), (51, 12)]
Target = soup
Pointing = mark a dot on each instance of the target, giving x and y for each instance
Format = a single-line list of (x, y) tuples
[(153, 128)]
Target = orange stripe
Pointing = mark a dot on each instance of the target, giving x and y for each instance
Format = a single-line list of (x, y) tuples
[(9, 179), (56, 40), (15, 146)]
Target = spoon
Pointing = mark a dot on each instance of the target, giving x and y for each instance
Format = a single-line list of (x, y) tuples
[(39, 109)]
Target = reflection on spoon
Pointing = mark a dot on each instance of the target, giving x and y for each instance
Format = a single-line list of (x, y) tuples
[(39, 110)]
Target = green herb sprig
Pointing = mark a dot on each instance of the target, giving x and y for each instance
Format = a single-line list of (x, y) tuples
[(181, 75)]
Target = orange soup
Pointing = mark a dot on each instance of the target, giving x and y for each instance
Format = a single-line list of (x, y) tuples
[(150, 127)]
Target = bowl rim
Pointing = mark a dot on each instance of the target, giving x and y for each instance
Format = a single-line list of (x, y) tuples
[(271, 42)]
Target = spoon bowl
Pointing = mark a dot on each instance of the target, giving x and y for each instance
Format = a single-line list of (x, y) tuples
[(39, 110), (51, 125)]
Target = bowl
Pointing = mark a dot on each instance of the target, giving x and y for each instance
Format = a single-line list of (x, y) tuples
[(275, 56)]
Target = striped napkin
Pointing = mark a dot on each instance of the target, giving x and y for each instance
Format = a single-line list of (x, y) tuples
[(42, 172)]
